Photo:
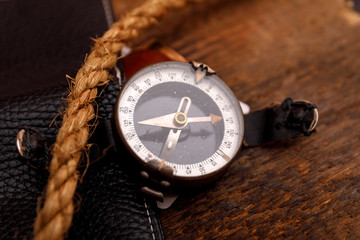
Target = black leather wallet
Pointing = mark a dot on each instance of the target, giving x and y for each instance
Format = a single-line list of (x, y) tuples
[(42, 41)]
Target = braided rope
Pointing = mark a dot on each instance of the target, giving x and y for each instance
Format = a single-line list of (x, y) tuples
[(54, 219)]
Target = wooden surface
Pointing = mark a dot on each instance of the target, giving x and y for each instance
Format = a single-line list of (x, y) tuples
[(306, 188)]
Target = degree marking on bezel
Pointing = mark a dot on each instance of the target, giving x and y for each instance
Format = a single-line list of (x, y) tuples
[(199, 75), (222, 154)]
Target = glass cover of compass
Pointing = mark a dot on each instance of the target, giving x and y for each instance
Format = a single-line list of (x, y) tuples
[(183, 117)]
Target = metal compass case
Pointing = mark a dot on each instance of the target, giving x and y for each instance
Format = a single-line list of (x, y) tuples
[(185, 126)]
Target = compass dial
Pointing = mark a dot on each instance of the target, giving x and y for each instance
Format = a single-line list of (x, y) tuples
[(178, 115)]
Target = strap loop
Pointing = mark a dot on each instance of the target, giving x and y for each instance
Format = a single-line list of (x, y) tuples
[(287, 120)]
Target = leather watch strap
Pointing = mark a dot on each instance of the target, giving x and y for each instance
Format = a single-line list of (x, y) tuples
[(150, 53), (287, 120)]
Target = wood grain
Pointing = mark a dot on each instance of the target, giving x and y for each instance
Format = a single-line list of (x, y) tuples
[(304, 188)]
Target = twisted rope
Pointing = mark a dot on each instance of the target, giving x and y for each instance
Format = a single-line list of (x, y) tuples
[(54, 219)]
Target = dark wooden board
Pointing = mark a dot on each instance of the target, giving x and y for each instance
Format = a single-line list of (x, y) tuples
[(304, 188)]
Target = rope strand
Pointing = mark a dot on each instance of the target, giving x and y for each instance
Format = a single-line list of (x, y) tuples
[(54, 219)]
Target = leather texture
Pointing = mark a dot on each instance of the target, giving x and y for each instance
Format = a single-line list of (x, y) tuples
[(39, 39), (21, 185), (42, 41), (111, 205)]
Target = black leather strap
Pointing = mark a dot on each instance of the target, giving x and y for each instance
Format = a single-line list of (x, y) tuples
[(42, 42), (287, 120), (40, 39), (110, 205)]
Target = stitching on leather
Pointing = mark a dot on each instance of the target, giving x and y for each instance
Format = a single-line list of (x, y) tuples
[(108, 12), (149, 218)]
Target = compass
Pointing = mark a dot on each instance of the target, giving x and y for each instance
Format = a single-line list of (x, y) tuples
[(181, 122)]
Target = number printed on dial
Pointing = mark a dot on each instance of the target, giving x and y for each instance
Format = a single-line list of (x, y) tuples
[(174, 113)]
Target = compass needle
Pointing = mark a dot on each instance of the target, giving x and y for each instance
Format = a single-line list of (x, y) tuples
[(212, 118), (166, 121), (169, 120), (173, 137)]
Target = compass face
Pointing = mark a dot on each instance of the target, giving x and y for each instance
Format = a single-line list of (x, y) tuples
[(168, 112)]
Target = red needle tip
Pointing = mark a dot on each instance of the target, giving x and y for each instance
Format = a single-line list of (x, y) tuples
[(215, 118)]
